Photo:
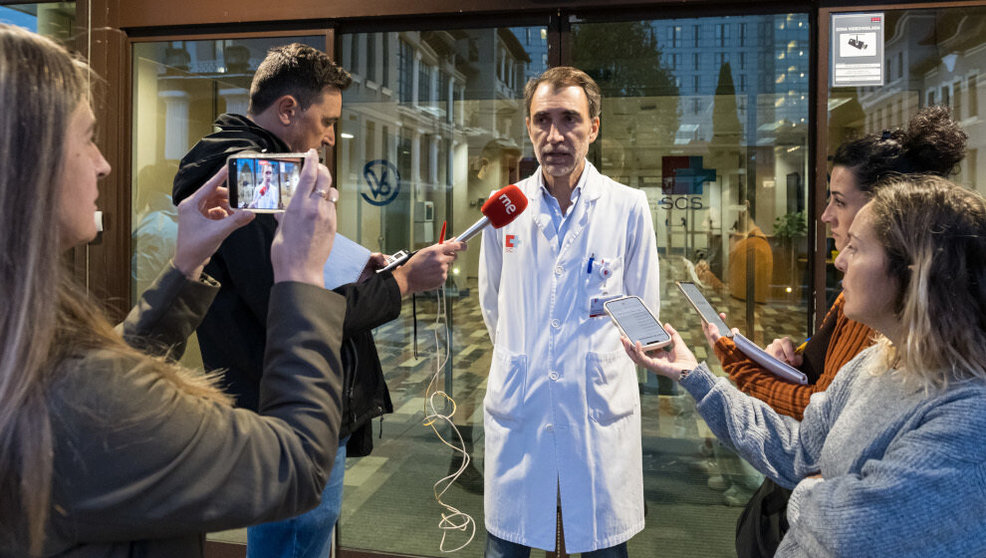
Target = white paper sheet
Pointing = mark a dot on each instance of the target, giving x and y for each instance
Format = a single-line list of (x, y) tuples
[(346, 262)]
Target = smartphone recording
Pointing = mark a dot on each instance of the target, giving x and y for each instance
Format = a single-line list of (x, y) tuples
[(263, 182)]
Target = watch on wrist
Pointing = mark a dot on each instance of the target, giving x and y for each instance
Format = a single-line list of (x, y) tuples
[(684, 373)]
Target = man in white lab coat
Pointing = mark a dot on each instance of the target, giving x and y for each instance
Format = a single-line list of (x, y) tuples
[(562, 407)]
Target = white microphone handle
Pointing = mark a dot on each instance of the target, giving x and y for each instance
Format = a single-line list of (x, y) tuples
[(473, 230)]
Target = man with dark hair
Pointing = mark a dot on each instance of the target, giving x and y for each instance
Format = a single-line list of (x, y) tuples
[(295, 102), (562, 408)]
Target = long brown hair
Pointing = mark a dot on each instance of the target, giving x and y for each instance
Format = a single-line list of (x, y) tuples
[(44, 316), (934, 235)]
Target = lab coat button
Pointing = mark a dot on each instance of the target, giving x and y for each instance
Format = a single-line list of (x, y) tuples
[(555, 324), (549, 428), (553, 376), (559, 270)]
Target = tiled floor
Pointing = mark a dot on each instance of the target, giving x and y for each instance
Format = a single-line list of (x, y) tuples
[(390, 500)]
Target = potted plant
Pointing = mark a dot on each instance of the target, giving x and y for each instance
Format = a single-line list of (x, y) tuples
[(788, 229)]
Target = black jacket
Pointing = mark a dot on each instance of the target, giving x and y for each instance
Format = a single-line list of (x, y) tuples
[(232, 336)]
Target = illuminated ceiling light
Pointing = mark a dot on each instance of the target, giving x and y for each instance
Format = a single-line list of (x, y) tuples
[(455, 271), (346, 135)]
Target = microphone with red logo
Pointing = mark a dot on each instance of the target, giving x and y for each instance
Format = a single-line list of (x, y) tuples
[(500, 210)]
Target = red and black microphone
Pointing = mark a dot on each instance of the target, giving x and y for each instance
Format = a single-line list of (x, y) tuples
[(500, 210)]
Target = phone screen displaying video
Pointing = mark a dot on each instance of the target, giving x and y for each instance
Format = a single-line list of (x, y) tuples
[(263, 184), (637, 321)]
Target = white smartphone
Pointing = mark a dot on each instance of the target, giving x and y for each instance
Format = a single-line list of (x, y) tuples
[(263, 182), (637, 322), (702, 306)]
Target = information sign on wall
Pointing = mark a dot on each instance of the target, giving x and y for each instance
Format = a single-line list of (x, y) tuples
[(857, 50)]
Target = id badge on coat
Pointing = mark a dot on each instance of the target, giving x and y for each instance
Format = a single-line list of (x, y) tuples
[(596, 308)]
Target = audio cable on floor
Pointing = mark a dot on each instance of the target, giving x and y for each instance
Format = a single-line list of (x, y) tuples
[(453, 519)]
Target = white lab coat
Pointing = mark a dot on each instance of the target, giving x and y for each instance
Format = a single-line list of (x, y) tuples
[(562, 407)]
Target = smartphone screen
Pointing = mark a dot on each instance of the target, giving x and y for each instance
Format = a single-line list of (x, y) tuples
[(699, 302), (637, 322), (263, 183)]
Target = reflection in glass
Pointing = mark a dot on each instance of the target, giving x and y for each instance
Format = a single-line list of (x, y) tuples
[(180, 88), (933, 57), (716, 137), (51, 19), (708, 116), (428, 148)]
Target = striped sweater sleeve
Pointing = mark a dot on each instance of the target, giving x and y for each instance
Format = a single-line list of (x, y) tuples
[(848, 339)]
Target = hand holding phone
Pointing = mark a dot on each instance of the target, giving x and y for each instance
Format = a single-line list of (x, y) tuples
[(702, 306), (671, 363), (636, 322)]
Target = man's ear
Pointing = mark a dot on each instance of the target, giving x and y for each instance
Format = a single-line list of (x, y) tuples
[(594, 132), (287, 108)]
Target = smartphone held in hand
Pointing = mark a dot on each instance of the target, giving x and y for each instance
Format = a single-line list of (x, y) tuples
[(263, 182), (702, 306), (637, 322)]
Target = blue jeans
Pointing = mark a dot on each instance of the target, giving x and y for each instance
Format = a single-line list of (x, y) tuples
[(307, 535), (499, 548)]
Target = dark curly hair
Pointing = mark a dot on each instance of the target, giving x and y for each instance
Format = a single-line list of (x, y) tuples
[(297, 70), (932, 144)]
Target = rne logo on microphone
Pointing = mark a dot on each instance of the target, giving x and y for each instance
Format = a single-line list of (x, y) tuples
[(508, 204), (510, 242)]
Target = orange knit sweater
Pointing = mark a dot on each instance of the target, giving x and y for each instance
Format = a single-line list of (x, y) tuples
[(848, 339)]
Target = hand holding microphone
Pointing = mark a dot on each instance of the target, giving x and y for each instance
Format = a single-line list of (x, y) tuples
[(427, 268)]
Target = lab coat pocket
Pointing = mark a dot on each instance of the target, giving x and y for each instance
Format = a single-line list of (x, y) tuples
[(602, 279), (506, 385), (611, 386)]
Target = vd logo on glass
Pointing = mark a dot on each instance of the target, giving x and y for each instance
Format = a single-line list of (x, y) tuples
[(383, 180)]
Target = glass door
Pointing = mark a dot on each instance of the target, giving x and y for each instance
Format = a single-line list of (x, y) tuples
[(433, 123), (709, 117)]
